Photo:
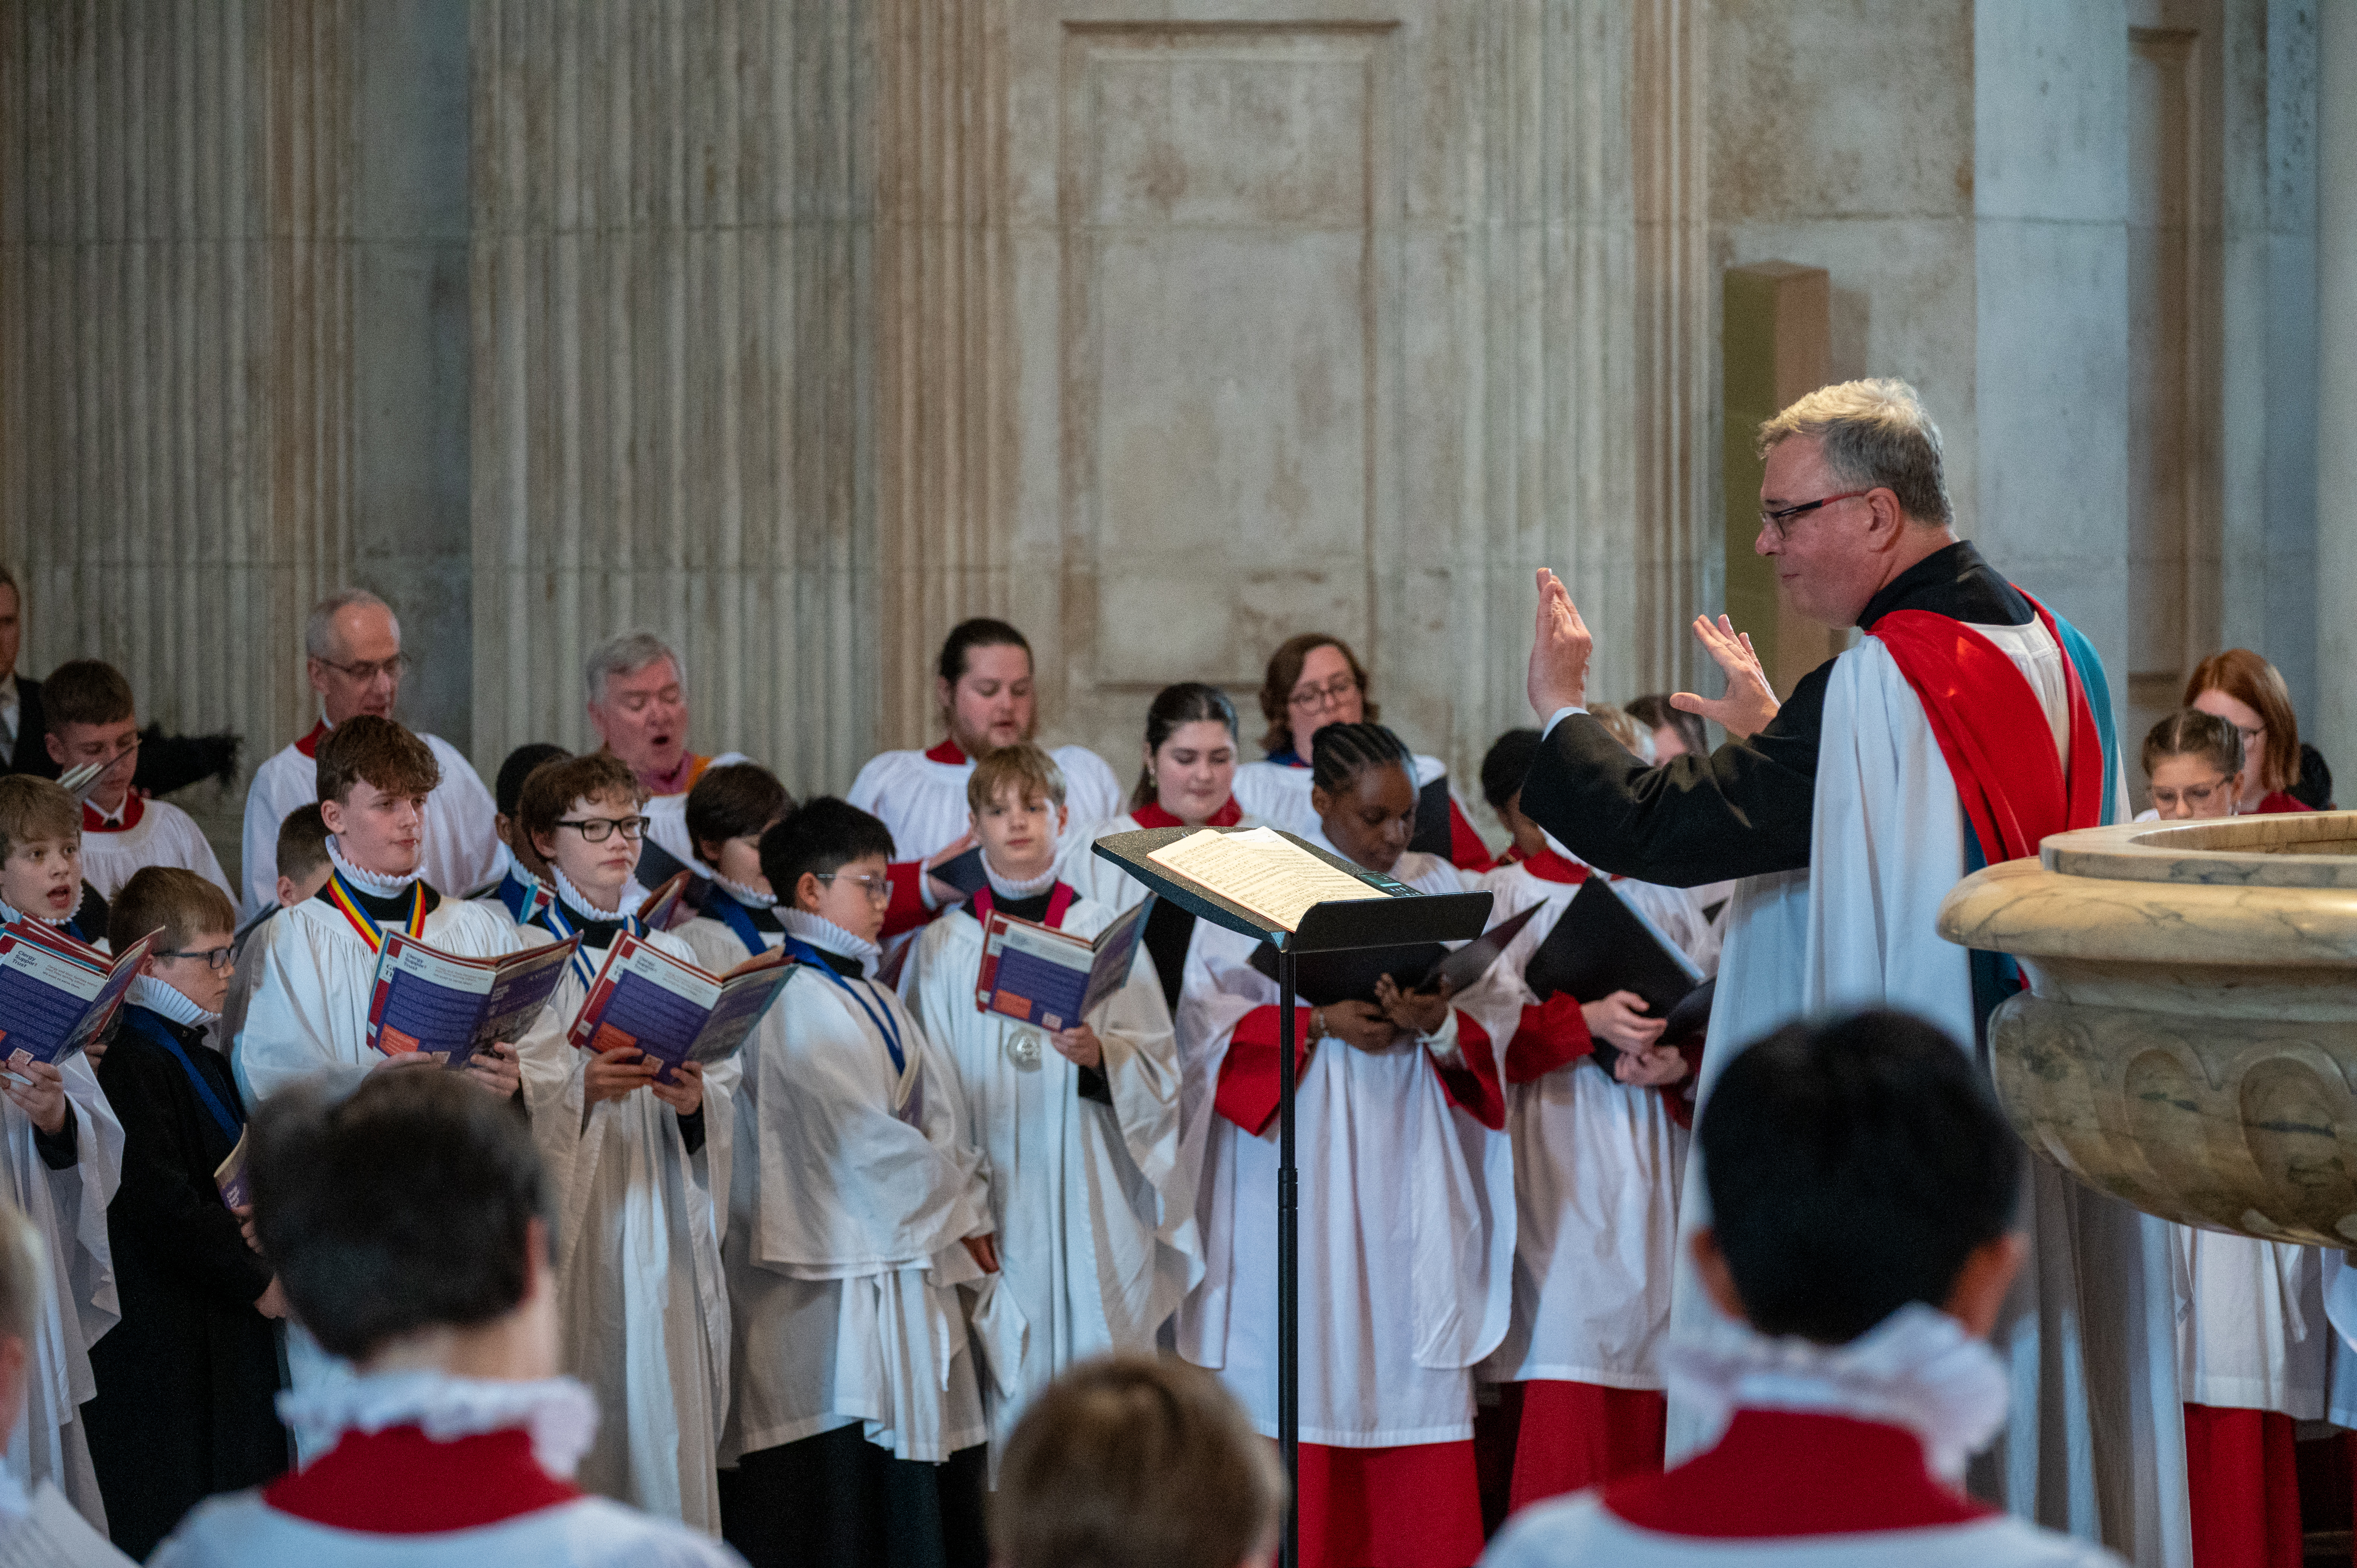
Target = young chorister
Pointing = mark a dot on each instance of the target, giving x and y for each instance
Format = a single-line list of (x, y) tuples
[(410, 1220), (1079, 1127), (87, 708), (312, 991), (633, 1164), (186, 1381), (1598, 1158), (63, 1159), (303, 867), (522, 883), (857, 1208), (1407, 1203), (1863, 1187), (1314, 680), (728, 811), (2253, 1351)]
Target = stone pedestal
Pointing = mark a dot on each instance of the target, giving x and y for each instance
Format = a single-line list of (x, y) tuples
[(2189, 1040)]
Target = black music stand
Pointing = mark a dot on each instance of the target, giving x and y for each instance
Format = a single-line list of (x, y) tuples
[(1402, 916)]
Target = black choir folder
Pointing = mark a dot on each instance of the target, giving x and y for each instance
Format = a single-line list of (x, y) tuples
[(1604, 944), (1323, 979)]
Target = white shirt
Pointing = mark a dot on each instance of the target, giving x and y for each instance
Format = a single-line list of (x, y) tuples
[(462, 840), (145, 833), (922, 799)]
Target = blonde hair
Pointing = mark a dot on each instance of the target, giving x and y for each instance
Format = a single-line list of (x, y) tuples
[(1874, 435), (1031, 771)]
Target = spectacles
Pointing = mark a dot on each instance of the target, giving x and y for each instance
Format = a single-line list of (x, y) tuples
[(215, 958), (877, 889), (597, 830), (1783, 515), (365, 673), (1310, 698)]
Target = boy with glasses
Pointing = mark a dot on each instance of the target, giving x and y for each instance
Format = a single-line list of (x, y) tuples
[(856, 1209), (635, 1164), (186, 1381), (351, 644), (90, 718)]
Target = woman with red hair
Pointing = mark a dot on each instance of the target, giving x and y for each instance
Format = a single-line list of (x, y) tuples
[(2278, 773)]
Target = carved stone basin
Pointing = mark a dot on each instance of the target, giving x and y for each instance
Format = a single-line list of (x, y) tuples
[(2189, 1040)]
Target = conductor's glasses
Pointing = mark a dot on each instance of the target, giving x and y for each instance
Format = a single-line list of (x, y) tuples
[(597, 830), (1783, 515)]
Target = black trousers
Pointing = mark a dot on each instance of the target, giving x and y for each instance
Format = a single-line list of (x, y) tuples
[(838, 1500)]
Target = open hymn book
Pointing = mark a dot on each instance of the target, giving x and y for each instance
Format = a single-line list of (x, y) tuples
[(1266, 873)]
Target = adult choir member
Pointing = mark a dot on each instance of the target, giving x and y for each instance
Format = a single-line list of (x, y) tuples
[(1314, 680), (1188, 780), (352, 657), (2279, 774), (638, 705), (1407, 1204), (1967, 724), (983, 684)]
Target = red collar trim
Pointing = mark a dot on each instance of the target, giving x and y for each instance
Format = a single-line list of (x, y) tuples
[(948, 753), (1059, 900), (401, 1482), (1549, 867), (2279, 803), (135, 806), (309, 743), (680, 780), (1789, 1473), (1152, 815)]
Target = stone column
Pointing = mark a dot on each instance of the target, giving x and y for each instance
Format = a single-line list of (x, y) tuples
[(2335, 719)]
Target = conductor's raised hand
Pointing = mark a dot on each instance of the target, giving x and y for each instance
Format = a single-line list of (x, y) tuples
[(495, 1070), (1359, 1025), (40, 1091), (1560, 646), (1749, 702)]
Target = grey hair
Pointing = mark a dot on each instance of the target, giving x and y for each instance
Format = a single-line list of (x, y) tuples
[(627, 654), (319, 626), (23, 1274), (1874, 434)]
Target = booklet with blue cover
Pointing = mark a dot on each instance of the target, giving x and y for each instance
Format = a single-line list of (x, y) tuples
[(671, 1011), (1036, 974), (56, 995), (445, 1005)]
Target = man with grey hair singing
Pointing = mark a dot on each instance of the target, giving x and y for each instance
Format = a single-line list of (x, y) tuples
[(636, 691), (351, 653), (1966, 725)]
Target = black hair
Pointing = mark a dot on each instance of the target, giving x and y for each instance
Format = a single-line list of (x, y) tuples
[(1339, 753), (734, 801), (1188, 703), (1853, 1166), (1653, 711), (818, 836), (982, 631), (508, 793), (402, 1207), (1503, 766)]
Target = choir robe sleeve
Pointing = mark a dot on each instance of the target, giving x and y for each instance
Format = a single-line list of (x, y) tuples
[(1743, 810), (1144, 1084)]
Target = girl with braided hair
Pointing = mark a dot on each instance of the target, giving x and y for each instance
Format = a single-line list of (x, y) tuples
[(1407, 1204)]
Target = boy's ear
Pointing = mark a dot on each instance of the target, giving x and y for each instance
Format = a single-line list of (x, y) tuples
[(331, 816), (1982, 1284), (807, 891), (56, 748)]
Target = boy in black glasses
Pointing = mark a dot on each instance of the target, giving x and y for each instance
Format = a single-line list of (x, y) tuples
[(185, 1380)]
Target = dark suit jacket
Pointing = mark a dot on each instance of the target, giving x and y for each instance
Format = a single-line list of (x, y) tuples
[(167, 762)]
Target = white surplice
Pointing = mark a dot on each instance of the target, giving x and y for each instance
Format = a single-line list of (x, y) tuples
[(852, 1192), (1597, 1168), (922, 800), (1407, 1216), (2251, 1333), (645, 1310), (462, 848), (2091, 1330), (1094, 1216), (78, 1304), (161, 835)]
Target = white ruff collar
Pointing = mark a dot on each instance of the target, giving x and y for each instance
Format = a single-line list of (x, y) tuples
[(1008, 887), (370, 882), (559, 1413), (578, 901), (827, 937), (750, 898), (157, 997), (10, 914), (1917, 1370)]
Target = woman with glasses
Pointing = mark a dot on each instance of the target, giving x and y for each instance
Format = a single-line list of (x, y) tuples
[(1314, 680), (2279, 774), (632, 1162)]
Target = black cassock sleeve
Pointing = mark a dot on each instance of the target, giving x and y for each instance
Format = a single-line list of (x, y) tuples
[(176, 1217), (1743, 810)]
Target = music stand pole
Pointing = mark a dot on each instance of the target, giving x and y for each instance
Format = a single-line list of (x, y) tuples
[(1289, 1267)]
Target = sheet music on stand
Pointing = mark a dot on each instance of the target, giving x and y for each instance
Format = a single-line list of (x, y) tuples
[(1268, 884)]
